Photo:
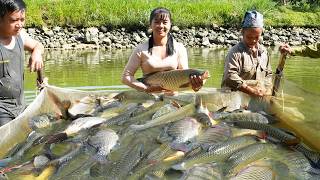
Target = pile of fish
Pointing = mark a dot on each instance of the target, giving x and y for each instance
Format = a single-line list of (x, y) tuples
[(135, 135)]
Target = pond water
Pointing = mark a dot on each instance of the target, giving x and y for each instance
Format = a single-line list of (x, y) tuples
[(102, 69), (97, 69)]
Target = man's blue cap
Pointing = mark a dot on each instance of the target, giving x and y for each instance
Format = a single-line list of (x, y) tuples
[(252, 19)]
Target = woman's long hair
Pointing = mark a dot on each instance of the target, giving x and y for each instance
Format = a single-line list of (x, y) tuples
[(169, 45)]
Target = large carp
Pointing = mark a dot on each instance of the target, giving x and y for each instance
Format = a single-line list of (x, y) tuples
[(174, 80)]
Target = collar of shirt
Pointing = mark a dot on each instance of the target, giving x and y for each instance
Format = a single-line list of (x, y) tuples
[(243, 47)]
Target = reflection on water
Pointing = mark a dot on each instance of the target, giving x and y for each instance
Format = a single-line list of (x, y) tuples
[(92, 70), (102, 69)]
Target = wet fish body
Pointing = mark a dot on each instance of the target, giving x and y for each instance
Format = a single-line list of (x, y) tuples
[(182, 131), (207, 171), (217, 152), (174, 80), (104, 140), (183, 112), (82, 124), (247, 155)]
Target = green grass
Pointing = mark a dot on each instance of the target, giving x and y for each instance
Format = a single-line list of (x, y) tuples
[(134, 14)]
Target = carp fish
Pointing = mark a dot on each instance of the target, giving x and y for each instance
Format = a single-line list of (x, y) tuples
[(174, 80)]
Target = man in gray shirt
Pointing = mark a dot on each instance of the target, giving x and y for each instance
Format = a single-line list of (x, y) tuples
[(13, 41)]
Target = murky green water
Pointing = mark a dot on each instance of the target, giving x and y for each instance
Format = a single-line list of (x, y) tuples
[(92, 70), (102, 69)]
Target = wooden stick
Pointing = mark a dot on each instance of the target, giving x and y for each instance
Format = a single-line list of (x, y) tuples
[(278, 73)]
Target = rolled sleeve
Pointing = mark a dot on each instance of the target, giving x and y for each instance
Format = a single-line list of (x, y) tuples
[(232, 71)]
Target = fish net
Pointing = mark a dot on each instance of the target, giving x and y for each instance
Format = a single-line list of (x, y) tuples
[(294, 107)]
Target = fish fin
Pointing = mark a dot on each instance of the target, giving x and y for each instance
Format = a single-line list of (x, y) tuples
[(271, 118), (136, 127), (74, 117), (5, 162), (59, 137), (179, 167), (180, 147), (100, 158), (223, 109), (185, 85), (175, 104)]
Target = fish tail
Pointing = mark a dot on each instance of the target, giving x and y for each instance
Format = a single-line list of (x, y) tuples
[(57, 138), (179, 167), (136, 127), (5, 162)]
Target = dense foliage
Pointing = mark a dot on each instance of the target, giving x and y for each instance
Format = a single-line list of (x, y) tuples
[(186, 13)]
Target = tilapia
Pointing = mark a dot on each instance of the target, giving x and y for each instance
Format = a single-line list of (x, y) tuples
[(75, 127), (212, 135), (41, 121), (180, 131), (174, 80), (203, 114), (183, 112), (217, 152), (103, 141)]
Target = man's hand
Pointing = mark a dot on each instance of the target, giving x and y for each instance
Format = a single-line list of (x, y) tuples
[(285, 49), (196, 82), (253, 91), (35, 62)]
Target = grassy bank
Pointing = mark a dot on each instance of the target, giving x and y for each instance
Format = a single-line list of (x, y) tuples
[(135, 13)]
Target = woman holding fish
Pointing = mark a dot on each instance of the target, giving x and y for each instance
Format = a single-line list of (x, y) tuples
[(249, 60), (160, 53)]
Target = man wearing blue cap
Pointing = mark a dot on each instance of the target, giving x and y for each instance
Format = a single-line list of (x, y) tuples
[(249, 60)]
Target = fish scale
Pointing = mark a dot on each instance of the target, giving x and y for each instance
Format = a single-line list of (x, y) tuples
[(297, 163), (245, 116), (313, 156), (174, 79), (247, 155), (127, 162), (264, 173), (218, 151), (184, 130), (270, 130), (104, 140), (203, 172)]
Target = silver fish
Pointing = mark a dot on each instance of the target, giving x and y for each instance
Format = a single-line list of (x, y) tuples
[(104, 140), (181, 131)]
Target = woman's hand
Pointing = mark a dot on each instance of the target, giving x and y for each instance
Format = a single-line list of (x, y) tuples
[(196, 82)]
